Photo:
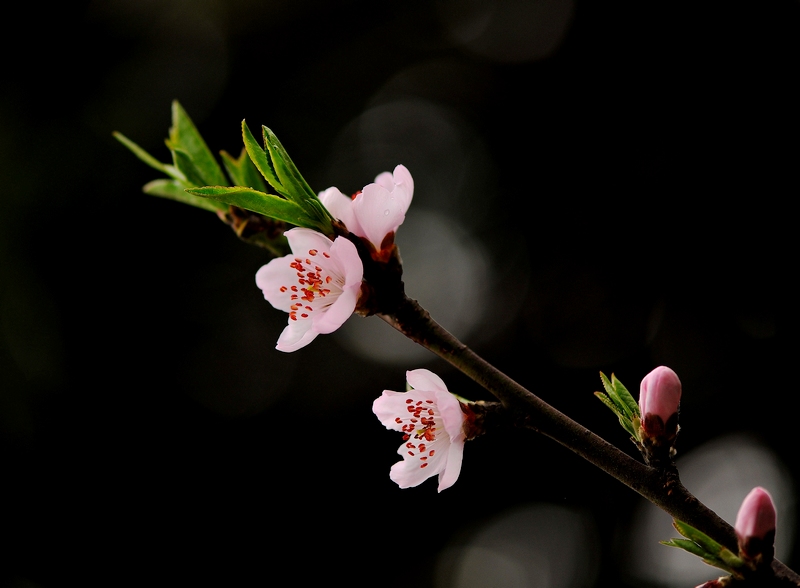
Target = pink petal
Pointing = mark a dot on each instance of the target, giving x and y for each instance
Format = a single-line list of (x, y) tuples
[(408, 474), (341, 208), (336, 314), (301, 240), (452, 415), (296, 335), (450, 474), (388, 406), (379, 213), (345, 255), (385, 179), (661, 390), (272, 276), (402, 177), (756, 516), (423, 379)]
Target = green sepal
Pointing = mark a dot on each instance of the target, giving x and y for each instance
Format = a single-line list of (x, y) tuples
[(185, 138), (242, 171), (269, 205), (175, 191)]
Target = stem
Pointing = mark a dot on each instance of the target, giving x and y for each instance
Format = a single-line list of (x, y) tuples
[(662, 487)]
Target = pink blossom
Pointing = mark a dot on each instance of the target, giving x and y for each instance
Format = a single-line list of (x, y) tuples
[(659, 395), (377, 211), (432, 423), (756, 516), (318, 284)]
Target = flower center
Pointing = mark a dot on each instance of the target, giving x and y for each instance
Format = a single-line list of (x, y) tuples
[(419, 429), (316, 287)]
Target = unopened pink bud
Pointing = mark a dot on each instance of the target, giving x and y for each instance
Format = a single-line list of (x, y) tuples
[(756, 516), (659, 396)]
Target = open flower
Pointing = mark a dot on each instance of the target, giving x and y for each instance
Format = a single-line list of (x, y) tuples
[(318, 284), (376, 212), (432, 422)]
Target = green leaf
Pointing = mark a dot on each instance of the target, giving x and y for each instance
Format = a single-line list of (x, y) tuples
[(175, 191), (290, 177), (267, 204), (697, 536), (261, 160), (144, 156), (686, 545), (242, 171), (620, 396), (288, 174), (625, 396), (183, 136), (183, 161), (607, 401)]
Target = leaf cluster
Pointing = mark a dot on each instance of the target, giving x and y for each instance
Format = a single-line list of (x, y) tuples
[(622, 404), (196, 178), (714, 554)]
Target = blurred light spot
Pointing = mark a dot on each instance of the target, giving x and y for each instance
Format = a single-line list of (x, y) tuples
[(445, 81), (446, 271), (507, 30), (720, 473), (532, 546)]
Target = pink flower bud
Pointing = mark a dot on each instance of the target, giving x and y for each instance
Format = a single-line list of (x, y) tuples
[(659, 396), (756, 518)]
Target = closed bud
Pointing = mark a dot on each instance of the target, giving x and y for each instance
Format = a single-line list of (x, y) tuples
[(659, 397), (755, 526)]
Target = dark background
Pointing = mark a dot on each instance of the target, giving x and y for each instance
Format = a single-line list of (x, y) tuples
[(630, 174)]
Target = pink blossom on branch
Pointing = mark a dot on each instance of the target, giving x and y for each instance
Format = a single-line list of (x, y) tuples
[(659, 398), (755, 523), (377, 211), (432, 422), (318, 284)]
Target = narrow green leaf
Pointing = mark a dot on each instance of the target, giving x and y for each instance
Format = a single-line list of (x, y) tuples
[(175, 191), (144, 156), (622, 405), (698, 537), (183, 161), (625, 396), (261, 160), (607, 401), (291, 178), (686, 545), (267, 204), (184, 136), (731, 559), (242, 171), (287, 172), (628, 426)]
